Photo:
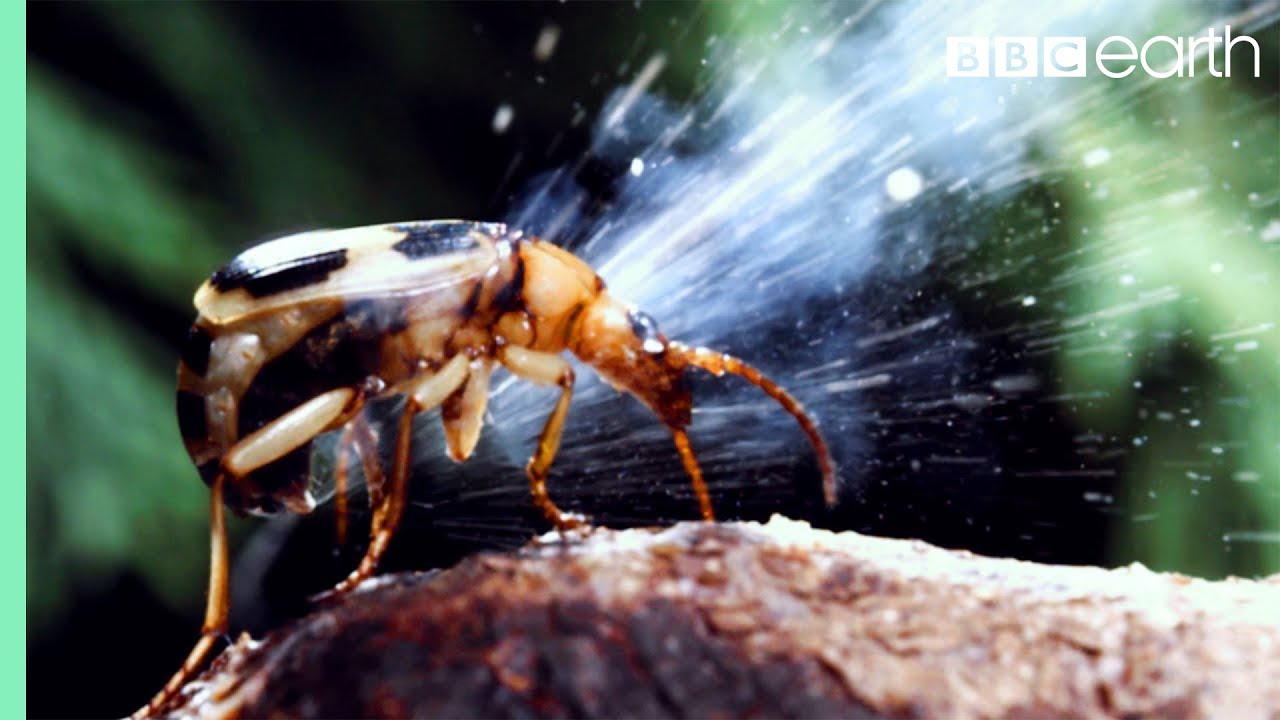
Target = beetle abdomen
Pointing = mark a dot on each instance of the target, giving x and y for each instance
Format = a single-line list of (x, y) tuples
[(365, 309), (342, 352)]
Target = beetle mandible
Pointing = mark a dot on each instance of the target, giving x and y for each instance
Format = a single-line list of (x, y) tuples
[(296, 335)]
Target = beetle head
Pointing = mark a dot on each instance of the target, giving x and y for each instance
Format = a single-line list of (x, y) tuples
[(626, 348)]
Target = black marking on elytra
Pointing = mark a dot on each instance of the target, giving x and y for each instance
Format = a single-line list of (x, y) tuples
[(432, 239), (195, 351), (280, 277), (368, 318), (507, 298), (193, 423)]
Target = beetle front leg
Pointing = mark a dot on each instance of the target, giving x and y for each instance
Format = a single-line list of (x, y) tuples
[(545, 369), (690, 462), (423, 394)]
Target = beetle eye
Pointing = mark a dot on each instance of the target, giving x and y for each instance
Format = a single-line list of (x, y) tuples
[(647, 330)]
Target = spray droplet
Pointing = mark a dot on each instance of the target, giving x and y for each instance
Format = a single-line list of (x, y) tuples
[(545, 46), (1028, 301), (1096, 157), (903, 184), (502, 118), (637, 166)]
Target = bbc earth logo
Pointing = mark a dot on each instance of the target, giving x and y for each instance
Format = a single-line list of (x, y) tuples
[(1116, 56)]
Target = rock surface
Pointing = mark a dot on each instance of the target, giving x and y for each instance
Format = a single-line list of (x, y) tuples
[(774, 620)]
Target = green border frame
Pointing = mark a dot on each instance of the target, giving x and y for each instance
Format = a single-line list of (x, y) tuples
[(13, 365)]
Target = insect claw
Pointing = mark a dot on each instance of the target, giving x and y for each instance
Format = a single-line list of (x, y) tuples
[(328, 597), (571, 521)]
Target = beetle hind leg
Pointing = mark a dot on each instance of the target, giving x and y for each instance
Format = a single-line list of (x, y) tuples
[(261, 447), (217, 608)]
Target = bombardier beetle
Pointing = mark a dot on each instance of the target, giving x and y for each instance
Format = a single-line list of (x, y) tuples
[(295, 336)]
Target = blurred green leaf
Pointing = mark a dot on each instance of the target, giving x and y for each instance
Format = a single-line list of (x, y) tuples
[(107, 471), (108, 195)]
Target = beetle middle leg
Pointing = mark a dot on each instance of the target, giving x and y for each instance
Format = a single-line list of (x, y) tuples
[(346, 447), (357, 439), (423, 394), (545, 369), (463, 411)]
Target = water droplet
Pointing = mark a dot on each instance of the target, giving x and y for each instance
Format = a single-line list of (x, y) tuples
[(903, 184), (1096, 157), (502, 118), (545, 46), (637, 166)]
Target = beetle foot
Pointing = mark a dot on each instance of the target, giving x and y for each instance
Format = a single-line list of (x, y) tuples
[(569, 521)]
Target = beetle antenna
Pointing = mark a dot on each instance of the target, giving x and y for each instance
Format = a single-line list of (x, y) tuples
[(718, 364)]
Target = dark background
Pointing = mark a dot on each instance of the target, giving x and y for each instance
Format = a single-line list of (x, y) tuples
[(165, 138)]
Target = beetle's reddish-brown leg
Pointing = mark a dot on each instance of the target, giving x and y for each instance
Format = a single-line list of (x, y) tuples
[(355, 438), (695, 473), (545, 369), (719, 363), (367, 444), (216, 610), (386, 518), (424, 394), (265, 445), (345, 448)]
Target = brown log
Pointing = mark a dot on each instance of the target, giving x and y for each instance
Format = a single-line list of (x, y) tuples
[(775, 620)]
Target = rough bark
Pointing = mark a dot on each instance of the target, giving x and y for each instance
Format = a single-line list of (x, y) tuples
[(763, 620)]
